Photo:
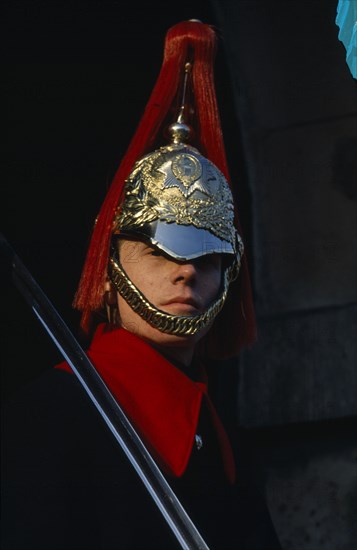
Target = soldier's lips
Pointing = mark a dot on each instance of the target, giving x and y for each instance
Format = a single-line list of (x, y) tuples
[(182, 306)]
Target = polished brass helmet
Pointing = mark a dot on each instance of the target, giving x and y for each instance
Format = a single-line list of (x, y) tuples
[(180, 202)]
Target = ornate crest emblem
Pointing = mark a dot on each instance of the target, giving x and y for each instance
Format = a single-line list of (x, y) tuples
[(176, 184)]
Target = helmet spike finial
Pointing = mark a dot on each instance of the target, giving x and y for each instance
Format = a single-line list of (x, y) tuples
[(180, 131)]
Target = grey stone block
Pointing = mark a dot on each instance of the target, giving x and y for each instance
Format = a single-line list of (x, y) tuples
[(302, 368)]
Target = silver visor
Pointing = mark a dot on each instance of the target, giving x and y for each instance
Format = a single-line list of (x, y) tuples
[(183, 242)]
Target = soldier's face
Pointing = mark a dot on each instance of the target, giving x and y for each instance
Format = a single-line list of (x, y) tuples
[(179, 288)]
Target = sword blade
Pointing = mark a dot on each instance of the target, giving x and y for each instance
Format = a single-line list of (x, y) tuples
[(113, 415)]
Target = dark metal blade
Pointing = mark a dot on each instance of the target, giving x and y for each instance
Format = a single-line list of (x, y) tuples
[(175, 515)]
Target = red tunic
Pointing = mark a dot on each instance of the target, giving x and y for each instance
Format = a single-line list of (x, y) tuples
[(160, 400), (67, 484)]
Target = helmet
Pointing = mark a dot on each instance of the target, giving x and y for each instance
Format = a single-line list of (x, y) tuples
[(176, 196)]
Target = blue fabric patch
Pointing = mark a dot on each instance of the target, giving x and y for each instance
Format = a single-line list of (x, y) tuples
[(346, 20)]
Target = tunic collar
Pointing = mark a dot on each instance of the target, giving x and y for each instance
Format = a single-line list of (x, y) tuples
[(159, 399)]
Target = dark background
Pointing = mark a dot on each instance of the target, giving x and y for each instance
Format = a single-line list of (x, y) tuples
[(76, 77)]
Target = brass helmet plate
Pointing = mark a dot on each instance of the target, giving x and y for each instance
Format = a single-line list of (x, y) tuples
[(179, 201)]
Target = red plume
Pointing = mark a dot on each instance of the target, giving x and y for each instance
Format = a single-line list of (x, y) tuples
[(196, 42)]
